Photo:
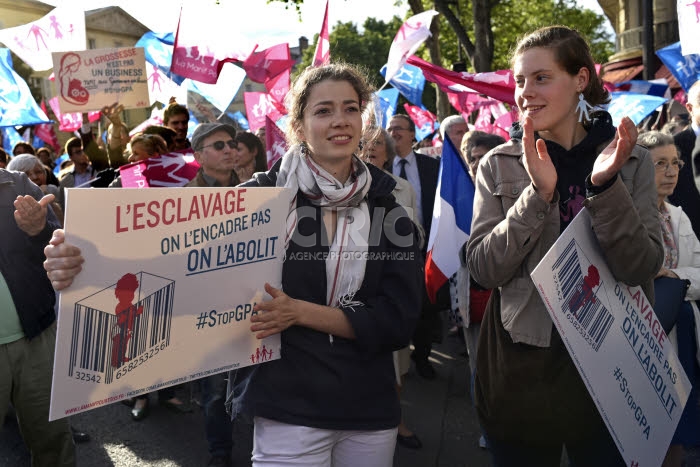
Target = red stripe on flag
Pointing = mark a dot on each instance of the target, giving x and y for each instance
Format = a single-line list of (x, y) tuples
[(434, 278)]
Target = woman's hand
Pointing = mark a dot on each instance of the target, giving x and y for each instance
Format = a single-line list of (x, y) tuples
[(667, 273), (616, 154), (30, 214), (538, 164), (277, 314), (63, 261)]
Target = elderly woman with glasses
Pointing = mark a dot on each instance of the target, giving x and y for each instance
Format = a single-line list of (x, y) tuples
[(681, 261)]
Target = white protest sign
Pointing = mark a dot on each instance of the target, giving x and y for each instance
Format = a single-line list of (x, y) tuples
[(167, 289), (91, 79), (613, 336)]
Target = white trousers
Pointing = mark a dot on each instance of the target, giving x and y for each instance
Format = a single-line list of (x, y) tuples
[(280, 444)]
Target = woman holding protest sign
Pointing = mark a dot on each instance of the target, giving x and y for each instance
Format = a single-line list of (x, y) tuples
[(348, 298), (530, 398)]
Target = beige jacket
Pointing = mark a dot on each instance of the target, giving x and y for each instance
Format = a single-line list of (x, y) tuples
[(513, 228)]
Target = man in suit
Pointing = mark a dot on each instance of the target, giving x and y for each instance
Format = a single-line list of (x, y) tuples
[(422, 173), (687, 192)]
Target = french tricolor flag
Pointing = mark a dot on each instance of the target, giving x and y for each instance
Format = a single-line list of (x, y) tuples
[(452, 219)]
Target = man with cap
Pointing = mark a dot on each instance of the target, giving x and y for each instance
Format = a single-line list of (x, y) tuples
[(214, 145)]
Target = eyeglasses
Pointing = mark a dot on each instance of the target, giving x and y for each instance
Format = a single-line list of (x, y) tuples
[(663, 165), (219, 145), (396, 128)]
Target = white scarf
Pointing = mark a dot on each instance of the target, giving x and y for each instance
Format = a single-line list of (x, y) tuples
[(345, 265)]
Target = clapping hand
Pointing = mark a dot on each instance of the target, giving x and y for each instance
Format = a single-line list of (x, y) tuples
[(616, 154), (538, 164)]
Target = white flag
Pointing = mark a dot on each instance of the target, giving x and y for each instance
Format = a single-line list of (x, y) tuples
[(61, 30), (411, 35), (689, 26)]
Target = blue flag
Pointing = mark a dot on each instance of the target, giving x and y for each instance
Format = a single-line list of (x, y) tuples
[(686, 69), (635, 106), (10, 137), (37, 142), (410, 82), (17, 105), (239, 118), (158, 50), (385, 105), (426, 130)]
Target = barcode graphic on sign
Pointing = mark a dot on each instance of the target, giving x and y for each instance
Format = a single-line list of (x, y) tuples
[(101, 342), (579, 296)]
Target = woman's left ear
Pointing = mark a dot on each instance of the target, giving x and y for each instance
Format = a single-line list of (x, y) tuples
[(583, 77)]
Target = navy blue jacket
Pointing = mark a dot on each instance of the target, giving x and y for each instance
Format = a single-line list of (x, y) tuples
[(22, 257), (345, 384)]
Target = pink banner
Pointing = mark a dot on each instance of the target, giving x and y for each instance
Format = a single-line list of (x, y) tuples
[(169, 170), (499, 84), (258, 105), (264, 65), (275, 142), (322, 56)]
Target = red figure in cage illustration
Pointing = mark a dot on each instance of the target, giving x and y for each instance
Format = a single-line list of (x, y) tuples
[(126, 316), (585, 292)]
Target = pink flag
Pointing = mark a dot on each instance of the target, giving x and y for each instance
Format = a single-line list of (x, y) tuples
[(411, 35), (61, 30), (275, 142), (169, 170), (420, 117), (322, 56), (71, 121), (499, 84), (46, 132), (66, 122), (204, 41), (264, 65), (278, 87), (258, 105)]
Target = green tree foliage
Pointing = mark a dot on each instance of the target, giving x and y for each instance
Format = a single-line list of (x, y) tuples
[(511, 19)]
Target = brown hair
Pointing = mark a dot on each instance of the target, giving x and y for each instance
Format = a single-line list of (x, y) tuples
[(571, 52), (73, 143), (151, 143), (168, 134), (174, 109), (23, 146), (298, 96)]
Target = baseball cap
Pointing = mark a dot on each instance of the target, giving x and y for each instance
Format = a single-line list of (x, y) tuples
[(205, 129)]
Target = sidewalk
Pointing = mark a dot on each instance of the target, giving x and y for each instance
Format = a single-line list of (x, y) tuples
[(441, 414)]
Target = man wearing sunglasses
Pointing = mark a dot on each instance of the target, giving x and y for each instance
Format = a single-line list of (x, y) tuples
[(214, 146)]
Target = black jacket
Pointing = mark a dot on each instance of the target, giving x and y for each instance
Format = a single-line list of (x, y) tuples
[(344, 384), (22, 257), (686, 194)]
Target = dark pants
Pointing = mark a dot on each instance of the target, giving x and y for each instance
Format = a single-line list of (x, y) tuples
[(217, 423), (26, 369), (429, 324), (600, 452)]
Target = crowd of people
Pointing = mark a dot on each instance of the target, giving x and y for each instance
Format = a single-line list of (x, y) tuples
[(347, 325)]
